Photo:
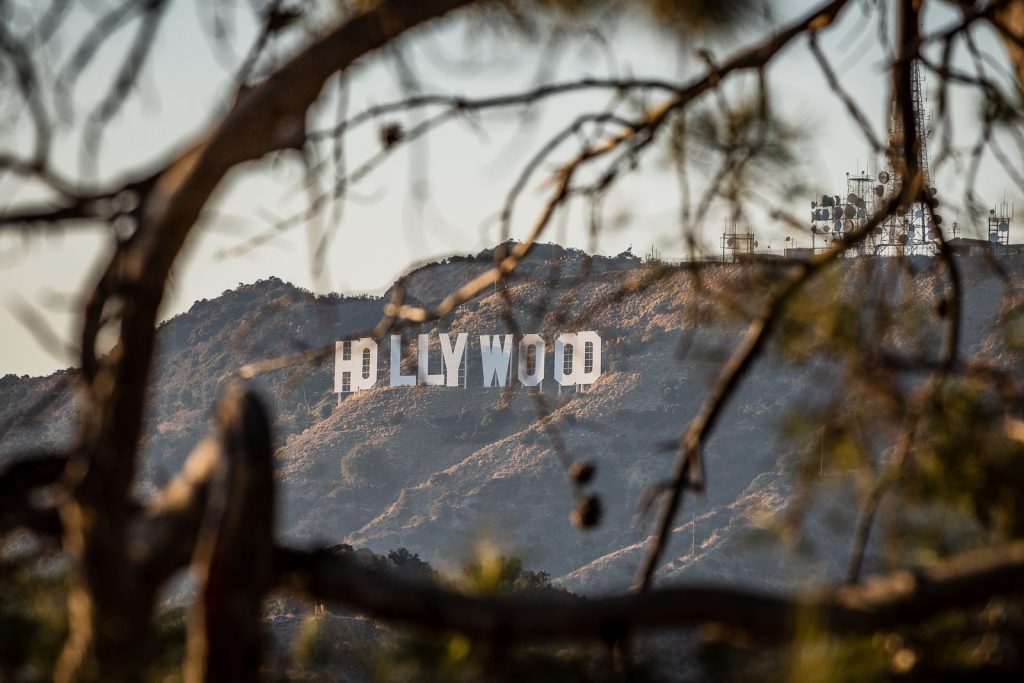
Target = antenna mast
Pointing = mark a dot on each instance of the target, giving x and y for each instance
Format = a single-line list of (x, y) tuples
[(910, 229)]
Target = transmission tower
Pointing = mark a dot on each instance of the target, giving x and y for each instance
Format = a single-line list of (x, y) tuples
[(910, 229)]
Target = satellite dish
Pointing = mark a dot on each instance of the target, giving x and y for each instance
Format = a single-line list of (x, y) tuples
[(813, 203), (851, 211), (931, 234), (880, 189), (755, 243), (826, 200), (932, 191), (1004, 226), (991, 212), (814, 228), (852, 198), (731, 242), (787, 238), (862, 213), (837, 200), (993, 237), (919, 213), (902, 239), (848, 225), (937, 219), (883, 177)]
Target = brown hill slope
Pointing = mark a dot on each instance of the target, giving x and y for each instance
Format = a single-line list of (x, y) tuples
[(436, 468)]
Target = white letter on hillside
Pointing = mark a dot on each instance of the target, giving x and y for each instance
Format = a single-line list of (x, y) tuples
[(496, 357), (565, 359), (577, 358), (359, 363), (590, 360), (535, 342), (423, 375), (453, 356), (397, 378)]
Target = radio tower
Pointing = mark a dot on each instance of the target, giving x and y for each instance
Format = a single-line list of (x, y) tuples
[(910, 229), (923, 122)]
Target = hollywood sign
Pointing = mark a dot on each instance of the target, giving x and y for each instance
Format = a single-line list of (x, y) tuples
[(576, 361)]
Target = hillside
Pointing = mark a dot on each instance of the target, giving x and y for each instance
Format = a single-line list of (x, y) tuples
[(435, 469)]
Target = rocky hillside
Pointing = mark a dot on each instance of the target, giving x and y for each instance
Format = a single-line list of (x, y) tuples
[(437, 469)]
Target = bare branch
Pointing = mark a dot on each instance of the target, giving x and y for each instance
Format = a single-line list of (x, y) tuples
[(884, 602), (18, 482), (28, 83), (234, 553), (270, 118)]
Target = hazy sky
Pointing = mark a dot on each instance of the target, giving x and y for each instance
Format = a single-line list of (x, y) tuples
[(394, 217)]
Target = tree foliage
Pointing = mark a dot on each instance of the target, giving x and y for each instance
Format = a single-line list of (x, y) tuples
[(951, 430)]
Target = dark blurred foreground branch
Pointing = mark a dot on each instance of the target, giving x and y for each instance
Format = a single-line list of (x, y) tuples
[(218, 513), (110, 606), (19, 481), (901, 598), (233, 553), (1009, 21)]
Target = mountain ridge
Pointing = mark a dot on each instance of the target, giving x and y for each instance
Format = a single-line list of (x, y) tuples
[(436, 469)]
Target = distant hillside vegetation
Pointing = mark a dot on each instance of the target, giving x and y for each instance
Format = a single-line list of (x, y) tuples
[(435, 469)]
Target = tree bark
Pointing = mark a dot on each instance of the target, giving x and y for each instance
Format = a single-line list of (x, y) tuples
[(235, 550), (1011, 16), (880, 603), (108, 614)]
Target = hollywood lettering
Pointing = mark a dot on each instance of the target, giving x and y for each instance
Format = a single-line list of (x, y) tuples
[(576, 361)]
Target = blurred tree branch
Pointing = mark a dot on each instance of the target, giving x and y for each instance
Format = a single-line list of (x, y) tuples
[(218, 514), (904, 597)]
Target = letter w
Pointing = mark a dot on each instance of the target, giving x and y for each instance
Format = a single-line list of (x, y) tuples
[(496, 358)]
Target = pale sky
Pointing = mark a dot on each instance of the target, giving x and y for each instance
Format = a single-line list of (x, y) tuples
[(383, 227)]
